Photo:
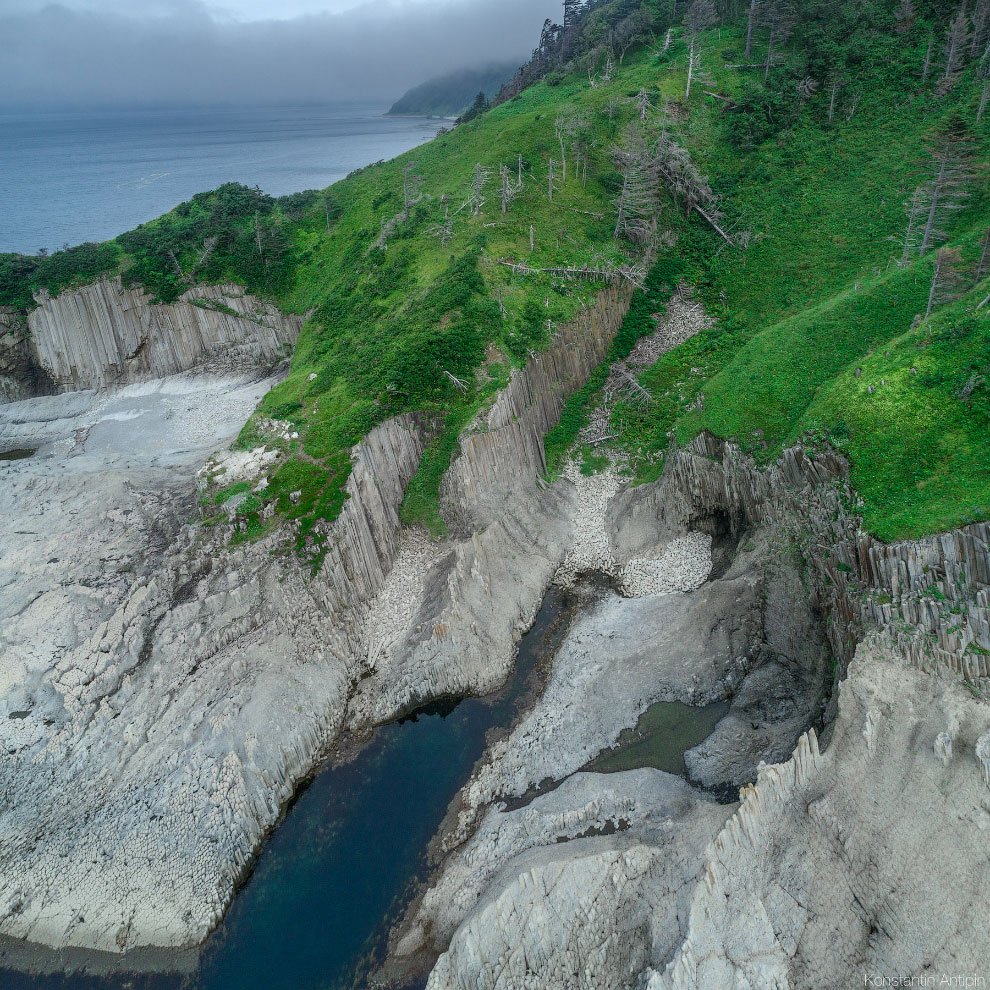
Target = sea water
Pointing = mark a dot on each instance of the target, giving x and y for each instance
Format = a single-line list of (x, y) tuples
[(71, 177)]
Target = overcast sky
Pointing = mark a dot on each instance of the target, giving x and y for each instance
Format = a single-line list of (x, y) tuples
[(167, 52)]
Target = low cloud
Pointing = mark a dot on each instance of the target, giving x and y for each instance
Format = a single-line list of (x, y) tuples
[(181, 52)]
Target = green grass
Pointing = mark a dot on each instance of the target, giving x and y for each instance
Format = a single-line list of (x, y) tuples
[(816, 297)]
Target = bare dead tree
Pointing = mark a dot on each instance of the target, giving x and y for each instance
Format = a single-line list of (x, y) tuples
[(664, 118), (751, 23), (560, 132), (609, 110), (387, 229), (531, 239), (905, 16), (981, 27), (983, 265), (946, 281), (926, 66), (631, 387), (461, 386), (480, 178), (551, 180), (952, 178), (257, 230), (209, 246), (688, 186), (984, 96), (636, 204), (520, 164), (444, 230), (644, 105), (700, 15), (915, 209), (609, 67), (954, 49), (509, 189), (411, 184), (779, 17), (634, 274), (836, 85)]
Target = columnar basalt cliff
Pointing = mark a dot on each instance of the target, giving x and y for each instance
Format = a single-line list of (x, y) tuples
[(213, 689), (810, 883), (458, 631), (504, 452), (929, 597), (105, 334), (208, 680), (807, 853)]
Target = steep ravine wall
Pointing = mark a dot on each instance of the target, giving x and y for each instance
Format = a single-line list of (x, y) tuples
[(510, 535), (930, 598), (105, 334), (505, 452)]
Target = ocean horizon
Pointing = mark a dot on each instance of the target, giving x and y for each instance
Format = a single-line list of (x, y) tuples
[(71, 176)]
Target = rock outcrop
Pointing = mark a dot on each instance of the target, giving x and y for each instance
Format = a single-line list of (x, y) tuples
[(865, 862), (188, 685), (502, 455), (20, 374), (834, 863), (455, 635), (105, 334), (209, 679), (930, 597)]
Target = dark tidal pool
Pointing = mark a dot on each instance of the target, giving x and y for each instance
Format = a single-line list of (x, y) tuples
[(347, 857), (664, 732)]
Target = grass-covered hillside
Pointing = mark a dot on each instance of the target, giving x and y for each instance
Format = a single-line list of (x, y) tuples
[(814, 154)]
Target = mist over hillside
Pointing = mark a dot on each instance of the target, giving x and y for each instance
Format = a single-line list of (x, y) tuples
[(448, 95)]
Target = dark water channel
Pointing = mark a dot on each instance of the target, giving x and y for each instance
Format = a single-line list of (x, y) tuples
[(346, 858), (17, 453)]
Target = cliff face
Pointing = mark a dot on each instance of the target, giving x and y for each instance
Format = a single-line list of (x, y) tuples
[(930, 598), (456, 632), (190, 688), (104, 334), (862, 861), (808, 877), (20, 374), (209, 678), (505, 452)]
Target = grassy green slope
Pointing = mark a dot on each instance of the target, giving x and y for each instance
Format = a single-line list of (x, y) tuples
[(813, 297), (816, 296)]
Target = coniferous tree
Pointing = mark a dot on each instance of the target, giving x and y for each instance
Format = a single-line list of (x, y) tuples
[(636, 203), (954, 50), (953, 175)]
